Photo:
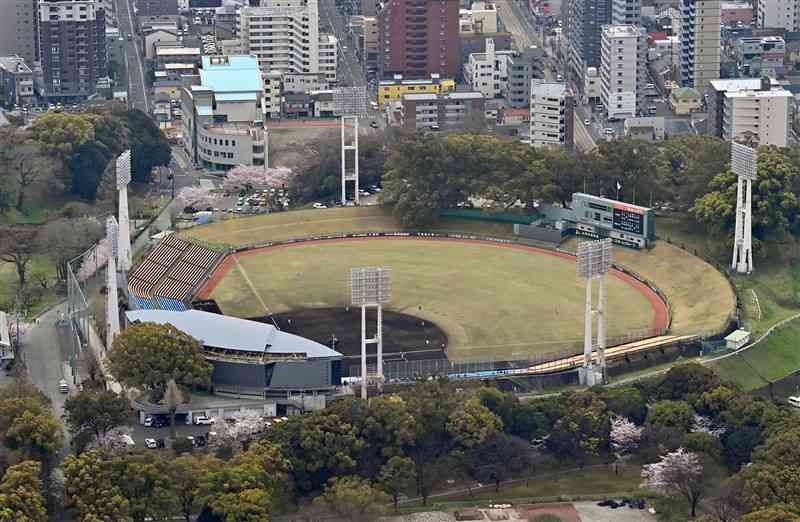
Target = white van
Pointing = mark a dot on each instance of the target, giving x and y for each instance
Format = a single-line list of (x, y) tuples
[(794, 401), (63, 387)]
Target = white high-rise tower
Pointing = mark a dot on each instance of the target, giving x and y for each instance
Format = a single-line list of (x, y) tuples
[(112, 295), (124, 241), (744, 161)]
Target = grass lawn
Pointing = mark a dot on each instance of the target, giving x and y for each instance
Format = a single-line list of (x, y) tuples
[(304, 223), (493, 302), (773, 358)]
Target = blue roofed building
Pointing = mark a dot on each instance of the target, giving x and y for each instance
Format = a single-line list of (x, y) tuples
[(252, 358), (223, 116)]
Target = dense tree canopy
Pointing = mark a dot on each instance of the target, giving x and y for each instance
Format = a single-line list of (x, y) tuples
[(148, 355)]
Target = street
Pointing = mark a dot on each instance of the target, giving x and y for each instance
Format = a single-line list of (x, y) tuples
[(137, 92), (349, 71)]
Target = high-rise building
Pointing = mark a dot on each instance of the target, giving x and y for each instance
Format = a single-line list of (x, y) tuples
[(623, 69), (715, 97), (156, 7), (504, 73), (417, 38), (446, 111), (16, 80), (18, 30), (223, 125), (626, 12), (552, 114), (72, 37), (699, 42), (284, 36), (784, 14), (762, 116), (582, 25)]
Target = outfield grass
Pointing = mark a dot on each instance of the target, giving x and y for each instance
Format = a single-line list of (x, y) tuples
[(492, 302), (305, 223)]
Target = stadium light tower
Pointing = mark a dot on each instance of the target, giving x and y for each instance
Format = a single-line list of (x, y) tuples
[(124, 240), (112, 297), (350, 103), (371, 286), (594, 260), (744, 162)]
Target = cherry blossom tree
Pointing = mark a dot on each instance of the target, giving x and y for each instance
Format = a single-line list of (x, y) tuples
[(247, 178), (236, 429), (116, 439), (625, 437), (679, 472), (94, 260), (198, 196), (702, 424)]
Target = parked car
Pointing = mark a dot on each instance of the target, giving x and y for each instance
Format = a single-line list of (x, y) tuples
[(319, 205), (203, 420), (374, 124), (63, 387), (151, 443)]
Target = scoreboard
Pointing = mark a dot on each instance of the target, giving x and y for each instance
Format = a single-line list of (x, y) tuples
[(626, 224)]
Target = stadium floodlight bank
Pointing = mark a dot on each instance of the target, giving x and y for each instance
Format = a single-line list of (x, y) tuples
[(744, 161), (350, 103), (371, 286), (124, 235), (594, 261), (112, 296)]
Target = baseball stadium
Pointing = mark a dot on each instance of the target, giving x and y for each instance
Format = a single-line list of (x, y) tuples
[(470, 297)]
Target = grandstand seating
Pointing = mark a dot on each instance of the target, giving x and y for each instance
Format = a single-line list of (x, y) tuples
[(164, 280)]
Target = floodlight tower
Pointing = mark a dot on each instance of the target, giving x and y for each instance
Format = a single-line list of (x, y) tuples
[(744, 161), (594, 260), (112, 296), (350, 103), (371, 286), (124, 246)]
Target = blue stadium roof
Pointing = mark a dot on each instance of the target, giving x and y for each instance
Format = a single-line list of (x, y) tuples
[(238, 73), (231, 333)]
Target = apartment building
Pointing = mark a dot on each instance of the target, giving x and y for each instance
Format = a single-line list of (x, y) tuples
[(16, 80), (758, 56), (623, 70), (283, 36), (223, 122), (18, 30), (328, 56), (446, 111), (583, 22), (365, 40), (759, 115), (417, 38), (480, 18), (394, 89), (715, 97), (784, 14), (72, 36), (552, 115), (506, 74), (699, 42), (156, 7), (626, 12)]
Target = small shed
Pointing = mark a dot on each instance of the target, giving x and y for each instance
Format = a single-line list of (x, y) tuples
[(737, 339)]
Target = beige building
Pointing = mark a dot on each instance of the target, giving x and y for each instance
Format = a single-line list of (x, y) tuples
[(161, 36), (700, 42), (480, 18), (759, 115), (684, 100)]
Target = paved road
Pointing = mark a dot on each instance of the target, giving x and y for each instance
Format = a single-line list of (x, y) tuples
[(349, 71), (137, 92)]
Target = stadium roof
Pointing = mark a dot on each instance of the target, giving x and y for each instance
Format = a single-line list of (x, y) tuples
[(231, 333)]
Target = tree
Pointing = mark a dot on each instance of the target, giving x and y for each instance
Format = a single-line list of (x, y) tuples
[(625, 401), (686, 382), (693, 161), (22, 164), (680, 473), (472, 424), (396, 476), (173, 398), (625, 437), (148, 355), (21, 494), (728, 504), (671, 414), (185, 476), (95, 412), (776, 206), (353, 498), (247, 178), (583, 430), (64, 239), (149, 147), (769, 484), (249, 505), (92, 489), (61, 133), (779, 513), (18, 246), (37, 436), (143, 479)]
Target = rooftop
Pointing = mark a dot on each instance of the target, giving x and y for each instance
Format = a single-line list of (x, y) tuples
[(549, 89), (177, 51), (685, 92), (621, 31), (236, 73), (231, 333), (736, 84), (775, 93)]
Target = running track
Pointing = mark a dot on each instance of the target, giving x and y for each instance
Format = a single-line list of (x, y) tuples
[(660, 309)]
